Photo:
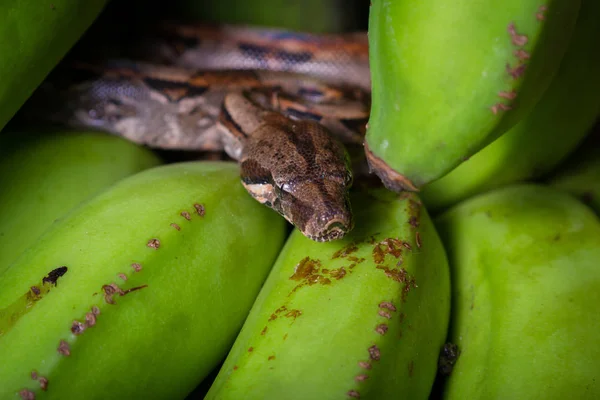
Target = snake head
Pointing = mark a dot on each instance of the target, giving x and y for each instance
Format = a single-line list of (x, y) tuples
[(302, 172)]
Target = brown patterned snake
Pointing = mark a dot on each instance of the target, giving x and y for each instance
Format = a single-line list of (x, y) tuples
[(279, 103)]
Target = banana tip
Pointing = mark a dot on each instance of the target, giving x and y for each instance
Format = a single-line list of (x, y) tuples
[(391, 179)]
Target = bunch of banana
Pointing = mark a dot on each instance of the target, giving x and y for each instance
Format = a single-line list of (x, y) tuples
[(44, 174), (544, 137), (362, 317), (34, 36), (140, 291), (525, 290), (450, 77)]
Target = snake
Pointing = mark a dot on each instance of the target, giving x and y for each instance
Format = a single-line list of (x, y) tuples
[(285, 105)]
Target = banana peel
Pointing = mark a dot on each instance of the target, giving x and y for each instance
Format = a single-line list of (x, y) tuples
[(34, 36), (546, 136), (141, 291), (51, 172), (450, 77), (525, 290), (362, 317)]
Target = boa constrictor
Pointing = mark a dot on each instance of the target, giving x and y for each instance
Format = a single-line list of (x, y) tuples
[(284, 105)]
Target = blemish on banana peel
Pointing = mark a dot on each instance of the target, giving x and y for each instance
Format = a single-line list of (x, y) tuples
[(353, 394), (393, 247), (517, 40), (293, 314), (26, 394), (308, 270), (413, 221), (77, 327), (448, 357), (176, 226), (186, 215), (270, 358), (541, 14), (345, 251), (43, 381), (200, 209), (374, 353), (153, 243), (387, 304), (521, 54), (511, 95), (411, 366), (381, 329), (136, 267), (364, 364), (516, 71), (113, 289), (496, 108), (387, 246), (24, 304), (390, 178), (283, 310), (64, 348), (53, 276)]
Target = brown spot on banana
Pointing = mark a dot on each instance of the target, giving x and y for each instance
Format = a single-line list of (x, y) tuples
[(517, 40), (508, 95), (499, 107), (516, 72), (390, 178), (541, 14)]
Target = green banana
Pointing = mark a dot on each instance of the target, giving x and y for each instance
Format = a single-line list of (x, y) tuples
[(34, 36), (525, 293), (365, 316), (580, 174), (140, 291), (53, 171), (450, 77), (543, 138)]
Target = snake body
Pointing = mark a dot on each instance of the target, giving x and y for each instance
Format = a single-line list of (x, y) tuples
[(282, 104)]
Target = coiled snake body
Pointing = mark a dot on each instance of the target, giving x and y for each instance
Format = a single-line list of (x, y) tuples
[(282, 104)]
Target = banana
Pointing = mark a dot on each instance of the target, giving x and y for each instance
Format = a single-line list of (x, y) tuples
[(365, 316), (34, 37), (580, 174), (449, 77), (139, 292), (525, 295), (53, 171), (543, 138)]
